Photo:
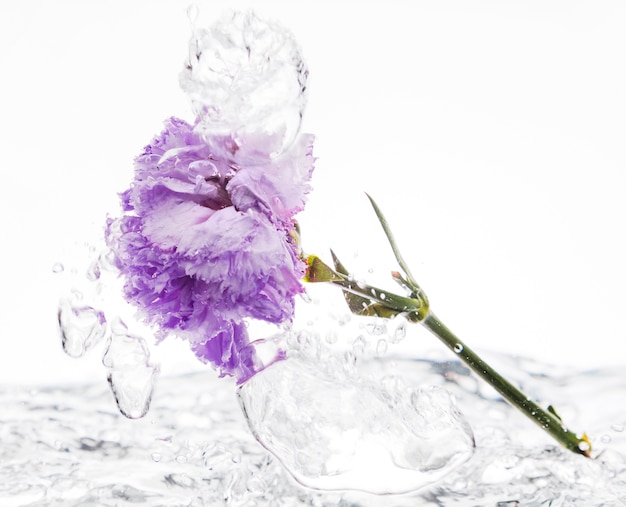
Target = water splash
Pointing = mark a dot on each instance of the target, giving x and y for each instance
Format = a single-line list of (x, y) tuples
[(81, 326), (131, 376), (334, 431), (246, 78), (65, 446)]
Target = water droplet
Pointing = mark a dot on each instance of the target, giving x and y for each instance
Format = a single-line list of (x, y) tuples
[(331, 337), (400, 333), (383, 296), (377, 328), (458, 348), (131, 376), (584, 446), (156, 457), (617, 427), (57, 267), (93, 271), (192, 13), (381, 347), (370, 270), (359, 345), (305, 297), (605, 439), (81, 327), (181, 458)]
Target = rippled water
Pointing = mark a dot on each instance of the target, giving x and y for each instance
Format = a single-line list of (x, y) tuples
[(71, 446)]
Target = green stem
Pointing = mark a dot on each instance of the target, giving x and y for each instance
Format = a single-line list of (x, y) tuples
[(548, 421)]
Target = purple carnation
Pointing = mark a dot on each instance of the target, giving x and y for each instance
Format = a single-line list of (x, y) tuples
[(205, 243)]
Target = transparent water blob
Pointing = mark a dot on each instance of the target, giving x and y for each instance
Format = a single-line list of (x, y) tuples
[(332, 431), (131, 375), (246, 80), (81, 326)]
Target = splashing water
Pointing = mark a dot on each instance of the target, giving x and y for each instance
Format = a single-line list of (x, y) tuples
[(126, 357), (334, 432), (71, 447), (246, 77), (81, 327), (130, 373), (361, 422)]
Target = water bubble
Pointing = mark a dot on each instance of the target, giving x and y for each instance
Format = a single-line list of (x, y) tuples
[(192, 13), (381, 347), (81, 327), (400, 332), (156, 457), (93, 271), (182, 459), (131, 376), (458, 348), (617, 427), (359, 345), (605, 439), (331, 337), (376, 328), (58, 267)]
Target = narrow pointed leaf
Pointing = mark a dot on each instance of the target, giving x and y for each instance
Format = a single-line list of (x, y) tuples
[(392, 242), (358, 305), (317, 271)]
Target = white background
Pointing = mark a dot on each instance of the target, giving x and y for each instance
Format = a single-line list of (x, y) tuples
[(491, 133)]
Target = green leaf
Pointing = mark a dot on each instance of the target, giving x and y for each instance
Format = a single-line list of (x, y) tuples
[(317, 271), (358, 305), (394, 247)]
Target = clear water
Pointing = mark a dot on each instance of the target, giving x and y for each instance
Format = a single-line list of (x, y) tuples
[(245, 78), (71, 446)]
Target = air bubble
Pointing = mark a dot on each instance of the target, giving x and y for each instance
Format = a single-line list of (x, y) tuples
[(617, 427), (58, 267), (458, 348)]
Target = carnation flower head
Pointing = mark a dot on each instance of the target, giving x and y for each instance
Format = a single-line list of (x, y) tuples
[(206, 239), (205, 243)]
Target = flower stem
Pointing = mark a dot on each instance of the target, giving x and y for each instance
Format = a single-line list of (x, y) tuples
[(547, 420)]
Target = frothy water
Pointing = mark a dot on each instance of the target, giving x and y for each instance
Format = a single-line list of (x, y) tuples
[(245, 78), (70, 446), (334, 431)]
